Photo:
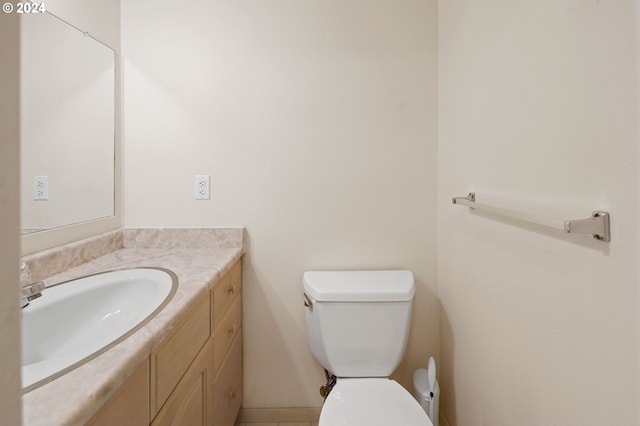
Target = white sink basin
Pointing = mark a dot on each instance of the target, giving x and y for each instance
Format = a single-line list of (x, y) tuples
[(77, 320)]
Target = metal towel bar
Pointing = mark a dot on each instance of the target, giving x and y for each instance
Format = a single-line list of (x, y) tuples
[(596, 225)]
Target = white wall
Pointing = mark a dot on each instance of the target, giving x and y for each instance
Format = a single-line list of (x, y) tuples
[(317, 123), (538, 112), (9, 219)]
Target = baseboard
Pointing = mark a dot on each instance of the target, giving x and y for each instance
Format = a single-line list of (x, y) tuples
[(278, 415)]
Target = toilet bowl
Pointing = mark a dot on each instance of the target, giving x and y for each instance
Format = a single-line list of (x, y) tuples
[(357, 328)]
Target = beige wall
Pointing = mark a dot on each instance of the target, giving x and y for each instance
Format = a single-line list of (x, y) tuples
[(317, 123), (9, 219), (538, 112)]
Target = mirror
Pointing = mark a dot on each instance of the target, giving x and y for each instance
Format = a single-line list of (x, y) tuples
[(67, 95)]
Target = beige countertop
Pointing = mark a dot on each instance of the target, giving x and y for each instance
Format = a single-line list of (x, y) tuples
[(74, 397)]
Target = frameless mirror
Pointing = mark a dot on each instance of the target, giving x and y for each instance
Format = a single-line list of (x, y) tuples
[(67, 96)]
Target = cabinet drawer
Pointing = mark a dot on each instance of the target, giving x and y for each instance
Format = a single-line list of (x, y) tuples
[(171, 360), (223, 336), (224, 293), (227, 388)]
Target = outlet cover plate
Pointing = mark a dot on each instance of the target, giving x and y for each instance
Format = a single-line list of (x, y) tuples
[(41, 187), (201, 184)]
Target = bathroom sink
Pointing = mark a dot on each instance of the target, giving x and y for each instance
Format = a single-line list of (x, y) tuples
[(77, 320)]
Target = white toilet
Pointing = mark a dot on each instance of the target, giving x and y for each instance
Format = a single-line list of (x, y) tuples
[(357, 328)]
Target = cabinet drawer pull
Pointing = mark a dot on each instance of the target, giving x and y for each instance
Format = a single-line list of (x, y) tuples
[(232, 329), (231, 394), (231, 289)]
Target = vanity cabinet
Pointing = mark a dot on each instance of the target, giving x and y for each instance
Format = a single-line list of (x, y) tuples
[(195, 376)]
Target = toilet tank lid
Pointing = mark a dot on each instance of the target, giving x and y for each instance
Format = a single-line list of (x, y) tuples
[(359, 286)]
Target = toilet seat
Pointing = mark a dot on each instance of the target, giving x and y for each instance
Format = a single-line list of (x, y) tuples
[(371, 402)]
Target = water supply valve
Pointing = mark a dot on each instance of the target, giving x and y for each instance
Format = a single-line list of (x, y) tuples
[(325, 389)]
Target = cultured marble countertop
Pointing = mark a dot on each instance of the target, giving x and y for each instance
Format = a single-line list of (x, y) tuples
[(74, 397)]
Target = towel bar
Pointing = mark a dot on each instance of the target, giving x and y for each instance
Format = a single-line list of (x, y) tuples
[(597, 225)]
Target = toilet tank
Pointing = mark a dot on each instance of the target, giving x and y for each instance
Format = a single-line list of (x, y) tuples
[(358, 321)]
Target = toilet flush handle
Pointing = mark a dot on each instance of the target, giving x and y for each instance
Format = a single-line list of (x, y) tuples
[(307, 301)]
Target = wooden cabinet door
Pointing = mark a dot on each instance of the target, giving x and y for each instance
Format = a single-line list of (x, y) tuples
[(190, 403), (129, 405), (170, 361)]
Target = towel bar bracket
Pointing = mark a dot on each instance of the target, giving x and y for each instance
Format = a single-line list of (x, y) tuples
[(597, 225), (471, 197)]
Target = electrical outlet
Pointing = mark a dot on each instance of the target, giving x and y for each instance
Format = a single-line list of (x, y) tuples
[(201, 187), (41, 187)]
